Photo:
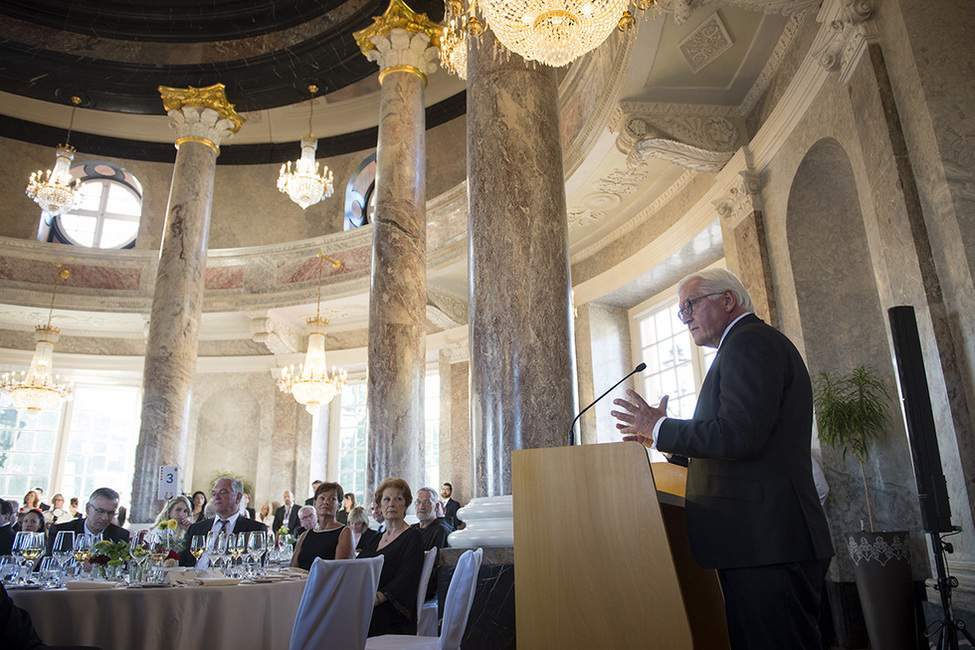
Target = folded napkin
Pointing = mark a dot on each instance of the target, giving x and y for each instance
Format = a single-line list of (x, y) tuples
[(90, 584), (218, 582)]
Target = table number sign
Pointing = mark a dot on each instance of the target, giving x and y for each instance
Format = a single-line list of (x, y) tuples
[(170, 481)]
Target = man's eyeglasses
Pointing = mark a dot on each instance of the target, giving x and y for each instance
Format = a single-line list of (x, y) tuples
[(424, 502), (687, 307), (104, 513)]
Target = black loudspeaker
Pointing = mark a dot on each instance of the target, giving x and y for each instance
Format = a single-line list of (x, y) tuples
[(932, 490)]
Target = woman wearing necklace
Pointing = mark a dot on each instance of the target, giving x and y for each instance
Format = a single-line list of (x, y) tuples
[(329, 540), (394, 610)]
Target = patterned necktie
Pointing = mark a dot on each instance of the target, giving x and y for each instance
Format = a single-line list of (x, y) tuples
[(223, 525)]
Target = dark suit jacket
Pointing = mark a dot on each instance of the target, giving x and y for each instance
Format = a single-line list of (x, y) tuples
[(113, 532), (450, 513), (292, 518), (7, 534), (243, 525), (750, 496)]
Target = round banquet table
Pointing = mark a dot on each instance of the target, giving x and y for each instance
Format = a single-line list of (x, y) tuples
[(258, 616)]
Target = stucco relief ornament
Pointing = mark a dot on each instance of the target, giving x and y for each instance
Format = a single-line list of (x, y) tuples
[(850, 29), (681, 154), (201, 114), (742, 199), (401, 40)]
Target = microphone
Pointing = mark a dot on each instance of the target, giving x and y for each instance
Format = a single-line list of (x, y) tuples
[(639, 368)]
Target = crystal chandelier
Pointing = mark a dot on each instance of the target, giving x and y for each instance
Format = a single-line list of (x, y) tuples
[(553, 32), (311, 385), (36, 389), (306, 185), (54, 190)]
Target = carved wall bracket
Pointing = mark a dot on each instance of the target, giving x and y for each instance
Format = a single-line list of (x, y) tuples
[(742, 199), (851, 28), (277, 335)]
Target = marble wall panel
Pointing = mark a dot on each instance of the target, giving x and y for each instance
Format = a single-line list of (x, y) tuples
[(82, 276), (224, 277)]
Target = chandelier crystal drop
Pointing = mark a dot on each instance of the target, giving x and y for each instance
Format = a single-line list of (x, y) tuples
[(311, 385), (54, 189), (37, 389)]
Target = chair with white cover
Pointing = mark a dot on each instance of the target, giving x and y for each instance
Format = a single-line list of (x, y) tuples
[(457, 607), (336, 606), (426, 624)]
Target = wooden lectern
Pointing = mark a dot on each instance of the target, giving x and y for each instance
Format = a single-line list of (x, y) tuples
[(601, 554)]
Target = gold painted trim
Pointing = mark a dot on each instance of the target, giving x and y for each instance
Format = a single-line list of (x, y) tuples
[(412, 69), (212, 97), (397, 15), (194, 138)]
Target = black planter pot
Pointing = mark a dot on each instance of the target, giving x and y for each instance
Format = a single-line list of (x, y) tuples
[(882, 566)]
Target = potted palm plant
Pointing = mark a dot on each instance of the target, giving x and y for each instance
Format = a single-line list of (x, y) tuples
[(852, 411)]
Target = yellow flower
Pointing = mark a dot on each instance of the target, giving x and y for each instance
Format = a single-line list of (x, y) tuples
[(172, 524)]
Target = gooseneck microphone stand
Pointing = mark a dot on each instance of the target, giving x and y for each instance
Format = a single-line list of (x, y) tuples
[(639, 368), (948, 627)]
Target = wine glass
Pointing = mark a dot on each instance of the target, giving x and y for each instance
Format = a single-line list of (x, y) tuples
[(198, 546), (216, 547), (83, 544), (256, 545), (232, 552), (139, 551), (63, 547), (50, 572), (25, 549)]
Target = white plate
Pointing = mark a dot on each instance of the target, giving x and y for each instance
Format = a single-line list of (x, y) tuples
[(22, 587), (90, 584)]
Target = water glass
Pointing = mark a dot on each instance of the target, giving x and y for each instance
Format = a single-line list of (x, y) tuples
[(63, 548), (9, 569), (50, 572)]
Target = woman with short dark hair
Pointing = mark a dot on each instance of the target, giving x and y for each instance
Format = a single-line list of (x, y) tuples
[(328, 540)]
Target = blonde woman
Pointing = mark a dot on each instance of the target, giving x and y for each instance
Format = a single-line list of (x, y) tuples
[(179, 509)]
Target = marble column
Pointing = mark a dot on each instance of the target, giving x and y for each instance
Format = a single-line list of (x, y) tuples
[(402, 43), (202, 119), (520, 317)]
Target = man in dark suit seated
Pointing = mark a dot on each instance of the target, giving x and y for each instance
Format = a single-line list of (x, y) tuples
[(101, 508), (751, 503), (8, 515), (227, 494), (286, 514), (433, 529)]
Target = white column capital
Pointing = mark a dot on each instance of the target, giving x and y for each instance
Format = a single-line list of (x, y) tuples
[(200, 124), (401, 50)]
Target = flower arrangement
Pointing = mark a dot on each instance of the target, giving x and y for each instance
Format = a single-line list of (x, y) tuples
[(169, 542), (284, 535), (107, 552)]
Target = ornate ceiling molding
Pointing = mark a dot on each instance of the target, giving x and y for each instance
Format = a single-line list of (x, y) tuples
[(849, 29), (453, 306), (277, 334)]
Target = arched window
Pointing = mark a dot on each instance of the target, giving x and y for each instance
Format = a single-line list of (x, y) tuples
[(360, 194), (108, 214)]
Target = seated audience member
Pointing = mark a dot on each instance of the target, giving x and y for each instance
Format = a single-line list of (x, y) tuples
[(199, 502), (310, 501), (178, 508), (433, 529), (307, 518), (359, 525), (394, 611), (43, 507), (266, 514), (245, 508), (31, 501), (329, 539), (347, 504), (57, 512), (226, 496), (100, 510), (16, 629), (377, 514), (8, 515), (73, 508), (33, 521), (120, 516)]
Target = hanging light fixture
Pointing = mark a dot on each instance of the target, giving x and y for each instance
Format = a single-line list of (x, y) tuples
[(306, 185), (311, 385), (54, 190), (461, 23), (553, 32), (36, 389)]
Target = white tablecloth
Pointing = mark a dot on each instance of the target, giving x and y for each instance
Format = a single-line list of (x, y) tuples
[(238, 617)]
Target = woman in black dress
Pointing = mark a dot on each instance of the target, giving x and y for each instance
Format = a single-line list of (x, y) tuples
[(199, 502), (394, 610), (329, 540)]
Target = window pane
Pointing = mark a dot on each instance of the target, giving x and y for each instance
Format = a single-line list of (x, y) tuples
[(117, 233), (91, 196), (121, 200), (80, 228)]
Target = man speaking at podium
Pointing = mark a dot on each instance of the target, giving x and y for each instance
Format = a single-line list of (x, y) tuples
[(751, 504)]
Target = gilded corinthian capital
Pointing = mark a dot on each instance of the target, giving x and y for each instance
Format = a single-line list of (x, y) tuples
[(212, 97), (397, 16)]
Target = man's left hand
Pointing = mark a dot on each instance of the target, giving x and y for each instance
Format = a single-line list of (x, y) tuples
[(638, 424)]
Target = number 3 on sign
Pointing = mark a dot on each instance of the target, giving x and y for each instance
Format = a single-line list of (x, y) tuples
[(169, 481)]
